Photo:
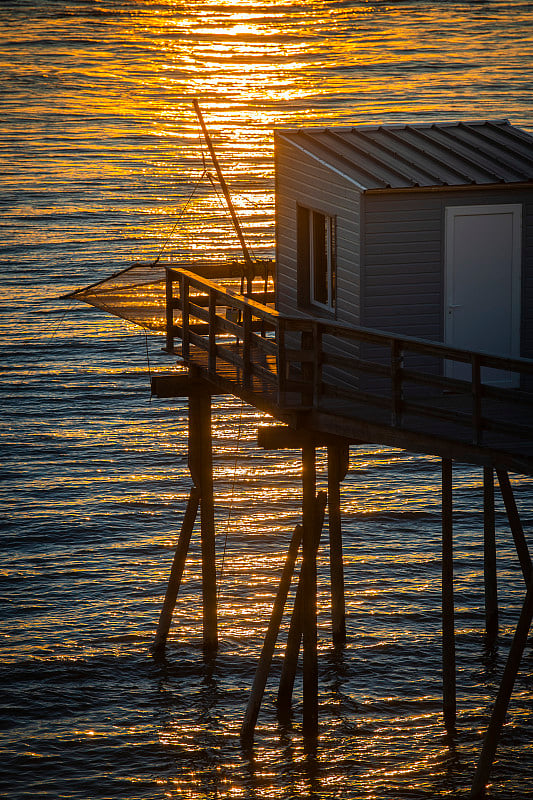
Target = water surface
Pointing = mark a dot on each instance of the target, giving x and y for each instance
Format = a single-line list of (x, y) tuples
[(100, 150)]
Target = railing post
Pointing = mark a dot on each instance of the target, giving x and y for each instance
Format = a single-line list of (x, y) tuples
[(477, 428), (281, 361), (396, 382), (184, 291), (306, 345), (212, 352), (247, 347), (169, 313), (317, 363)]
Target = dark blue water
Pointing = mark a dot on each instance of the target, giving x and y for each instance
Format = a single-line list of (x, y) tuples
[(100, 150)]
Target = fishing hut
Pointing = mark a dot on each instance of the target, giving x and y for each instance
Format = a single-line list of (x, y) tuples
[(402, 315)]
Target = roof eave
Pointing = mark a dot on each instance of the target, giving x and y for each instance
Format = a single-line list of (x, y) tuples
[(323, 162), (459, 187)]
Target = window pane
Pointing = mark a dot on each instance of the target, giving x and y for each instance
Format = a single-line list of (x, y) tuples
[(303, 244), (320, 259)]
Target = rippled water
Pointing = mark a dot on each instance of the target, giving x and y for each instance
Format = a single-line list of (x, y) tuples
[(100, 150)]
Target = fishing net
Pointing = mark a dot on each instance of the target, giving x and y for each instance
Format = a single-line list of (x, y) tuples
[(137, 293)]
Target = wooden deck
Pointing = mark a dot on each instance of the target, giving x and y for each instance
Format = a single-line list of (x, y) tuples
[(335, 385), (360, 384)]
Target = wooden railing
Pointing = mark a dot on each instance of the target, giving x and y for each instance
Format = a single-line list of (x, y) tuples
[(307, 363), (224, 326)]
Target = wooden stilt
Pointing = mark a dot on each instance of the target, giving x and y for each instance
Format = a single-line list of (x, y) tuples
[(201, 466), (309, 605), (294, 638), (448, 639), (336, 472), (176, 571), (265, 659), (492, 736), (489, 550), (515, 524)]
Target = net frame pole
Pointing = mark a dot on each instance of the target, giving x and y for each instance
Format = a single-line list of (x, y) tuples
[(223, 185)]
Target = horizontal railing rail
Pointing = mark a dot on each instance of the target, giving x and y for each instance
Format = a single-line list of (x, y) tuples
[(306, 363)]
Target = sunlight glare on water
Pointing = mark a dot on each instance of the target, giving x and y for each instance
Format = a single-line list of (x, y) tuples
[(101, 154)]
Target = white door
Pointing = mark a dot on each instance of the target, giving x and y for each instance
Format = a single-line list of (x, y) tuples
[(482, 289)]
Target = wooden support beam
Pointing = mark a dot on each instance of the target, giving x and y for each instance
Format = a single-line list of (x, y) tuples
[(501, 705), (489, 555), (265, 659), (337, 467), (282, 437), (176, 571), (172, 385), (216, 270), (294, 638), (309, 607), (201, 466), (448, 637), (515, 524)]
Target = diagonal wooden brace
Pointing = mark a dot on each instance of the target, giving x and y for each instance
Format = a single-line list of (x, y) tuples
[(294, 638), (265, 659), (501, 705), (176, 571), (515, 524)]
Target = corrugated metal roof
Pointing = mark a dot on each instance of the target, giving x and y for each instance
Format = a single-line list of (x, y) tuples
[(422, 155)]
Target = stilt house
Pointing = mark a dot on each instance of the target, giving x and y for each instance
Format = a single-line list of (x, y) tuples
[(424, 230), (397, 247)]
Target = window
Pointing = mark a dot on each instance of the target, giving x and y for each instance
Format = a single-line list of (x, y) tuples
[(316, 259)]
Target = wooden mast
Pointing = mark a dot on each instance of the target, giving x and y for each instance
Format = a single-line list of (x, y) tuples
[(223, 185)]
